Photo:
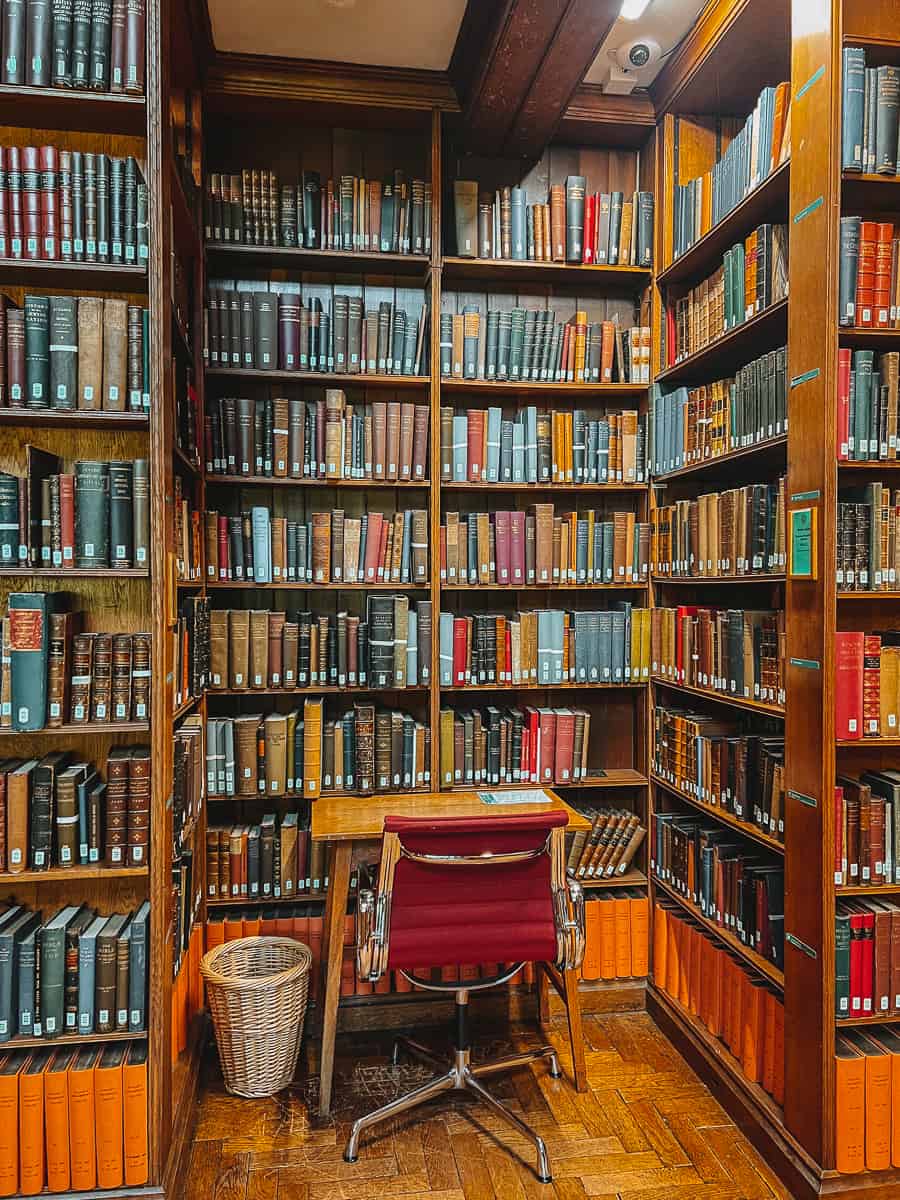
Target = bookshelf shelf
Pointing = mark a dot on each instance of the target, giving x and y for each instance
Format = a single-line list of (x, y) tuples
[(71, 108), (869, 192), (93, 727), (857, 743), (870, 465), (768, 710), (542, 687), (221, 902), (77, 873), (186, 707), (613, 777), (717, 580), (893, 594), (524, 387), (629, 879), (227, 254), (768, 201), (877, 889), (289, 481), (748, 340), (860, 338), (317, 378), (756, 961), (763, 456), (74, 1039), (722, 815), (542, 587), (639, 489), (232, 585), (314, 690), (856, 1022), (59, 418), (186, 463), (516, 270), (80, 276), (75, 572), (300, 798)]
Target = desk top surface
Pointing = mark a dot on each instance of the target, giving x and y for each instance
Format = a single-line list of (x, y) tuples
[(343, 818)]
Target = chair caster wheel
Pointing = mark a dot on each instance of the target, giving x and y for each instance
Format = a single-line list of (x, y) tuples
[(545, 1178), (355, 1158), (556, 1074)]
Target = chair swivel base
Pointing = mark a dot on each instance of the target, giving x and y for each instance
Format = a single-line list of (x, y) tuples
[(462, 1076)]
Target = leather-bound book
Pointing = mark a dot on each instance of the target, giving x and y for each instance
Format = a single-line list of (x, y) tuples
[(121, 514), (140, 676), (276, 753), (239, 649), (81, 43), (90, 353), (62, 625), (259, 649), (135, 35), (355, 317), (37, 351), (42, 816), (265, 331), (276, 622), (39, 35), (313, 720), (14, 41), (289, 304), (121, 676), (63, 351), (321, 547), (16, 383), (574, 218), (101, 683), (49, 202), (16, 217), (92, 512), (101, 20), (82, 665), (117, 47), (115, 354), (102, 167), (280, 437), (116, 809)]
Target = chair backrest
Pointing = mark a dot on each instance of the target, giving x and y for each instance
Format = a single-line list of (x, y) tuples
[(470, 891)]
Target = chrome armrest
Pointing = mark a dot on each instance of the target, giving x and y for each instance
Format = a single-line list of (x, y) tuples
[(371, 934), (569, 915)]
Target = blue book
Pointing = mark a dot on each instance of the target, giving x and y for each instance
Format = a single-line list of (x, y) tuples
[(137, 969), (262, 544)]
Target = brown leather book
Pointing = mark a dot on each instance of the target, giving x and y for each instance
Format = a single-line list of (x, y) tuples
[(321, 547), (313, 719), (337, 544), (62, 629), (19, 785), (259, 648), (245, 753), (456, 351), (352, 532), (115, 354), (211, 530), (407, 421), (239, 649), (543, 541), (276, 633), (280, 437), (420, 442), (379, 439), (288, 856), (290, 645), (558, 222), (279, 549), (218, 648), (419, 545), (393, 439), (276, 754), (90, 353)]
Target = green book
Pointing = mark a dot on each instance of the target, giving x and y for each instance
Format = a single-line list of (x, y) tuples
[(37, 351), (91, 514), (29, 638), (842, 964)]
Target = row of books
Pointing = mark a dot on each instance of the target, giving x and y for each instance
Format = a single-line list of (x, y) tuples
[(327, 547), (96, 515), (740, 531), (608, 848), (302, 922), (75, 973), (187, 534), (531, 345), (868, 402), (868, 274), (867, 1102), (303, 752), (715, 763), (481, 445), (867, 836), (52, 673), (868, 552), (75, 352), (537, 547), (59, 811), (190, 638), (755, 149), (616, 935), (753, 276), (545, 646), (275, 859), (709, 981), (695, 425), (514, 745), (571, 225), (327, 438), (870, 108), (729, 884), (867, 684), (76, 1119), (735, 652), (866, 958), (98, 46), (253, 327), (257, 208), (65, 205), (389, 646), (189, 777)]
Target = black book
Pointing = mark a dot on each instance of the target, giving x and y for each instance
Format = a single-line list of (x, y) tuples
[(13, 43), (62, 43), (77, 206), (380, 620), (265, 331), (574, 218), (101, 30), (143, 222), (37, 351), (81, 43), (90, 206), (91, 514), (63, 350), (103, 207), (311, 210), (121, 514), (117, 210), (41, 816), (39, 34)]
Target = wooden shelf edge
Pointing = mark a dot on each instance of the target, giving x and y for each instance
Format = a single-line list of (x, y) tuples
[(721, 345), (451, 384), (334, 378), (629, 879), (758, 706), (721, 815), (709, 466), (73, 730), (706, 580), (303, 481)]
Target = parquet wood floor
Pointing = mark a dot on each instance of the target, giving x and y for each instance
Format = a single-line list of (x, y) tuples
[(647, 1129)]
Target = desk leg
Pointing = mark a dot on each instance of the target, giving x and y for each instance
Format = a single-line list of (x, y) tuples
[(333, 951), (576, 1037)]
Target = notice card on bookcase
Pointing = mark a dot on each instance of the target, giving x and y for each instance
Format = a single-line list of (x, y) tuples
[(802, 543), (526, 796)]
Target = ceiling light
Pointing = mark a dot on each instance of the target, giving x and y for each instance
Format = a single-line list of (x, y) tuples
[(633, 10)]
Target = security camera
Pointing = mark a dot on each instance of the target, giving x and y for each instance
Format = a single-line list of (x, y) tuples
[(638, 53)]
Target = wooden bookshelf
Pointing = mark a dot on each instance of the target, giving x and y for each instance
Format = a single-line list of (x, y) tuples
[(581, 275), (761, 456), (747, 828), (764, 331)]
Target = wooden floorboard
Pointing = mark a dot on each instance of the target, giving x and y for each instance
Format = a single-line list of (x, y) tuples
[(646, 1130)]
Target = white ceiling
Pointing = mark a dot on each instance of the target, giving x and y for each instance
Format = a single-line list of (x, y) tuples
[(403, 33)]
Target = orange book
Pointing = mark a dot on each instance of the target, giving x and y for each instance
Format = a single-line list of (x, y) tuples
[(768, 1066), (10, 1066), (215, 932), (134, 1115), (878, 1099), (252, 925), (56, 1120), (707, 967), (640, 934), (752, 1029), (622, 909), (31, 1123), (607, 936), (402, 984), (315, 946), (660, 944), (684, 963), (82, 1120), (108, 1110), (695, 980), (890, 1042), (196, 953), (850, 1108), (778, 1089), (300, 929), (284, 925), (673, 952), (590, 967), (234, 927), (782, 103)]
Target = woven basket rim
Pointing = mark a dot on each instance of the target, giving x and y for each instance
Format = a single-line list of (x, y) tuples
[(213, 976)]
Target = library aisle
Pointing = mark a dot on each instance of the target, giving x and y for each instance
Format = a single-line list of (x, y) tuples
[(647, 1129)]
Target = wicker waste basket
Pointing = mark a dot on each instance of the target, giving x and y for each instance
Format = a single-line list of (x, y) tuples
[(257, 989)]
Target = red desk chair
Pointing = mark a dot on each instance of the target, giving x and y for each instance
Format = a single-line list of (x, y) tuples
[(479, 890)]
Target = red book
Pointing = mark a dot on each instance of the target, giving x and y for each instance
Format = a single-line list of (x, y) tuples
[(546, 759), (49, 161), (839, 849), (507, 637), (382, 550), (856, 988), (867, 963), (671, 342), (533, 743), (224, 544), (517, 547), (475, 445), (882, 294), (31, 201), (67, 519), (373, 545), (843, 409), (865, 279), (871, 684), (848, 685), (14, 191), (564, 747), (4, 217), (590, 209), (501, 537), (460, 651)]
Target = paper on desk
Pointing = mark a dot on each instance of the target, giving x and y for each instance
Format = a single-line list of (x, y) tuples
[(526, 796)]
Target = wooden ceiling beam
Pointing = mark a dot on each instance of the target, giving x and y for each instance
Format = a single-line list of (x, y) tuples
[(518, 63)]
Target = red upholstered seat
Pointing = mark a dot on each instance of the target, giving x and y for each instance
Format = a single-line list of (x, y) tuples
[(499, 912)]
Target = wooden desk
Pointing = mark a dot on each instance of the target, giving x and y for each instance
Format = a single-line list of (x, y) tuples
[(350, 825)]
